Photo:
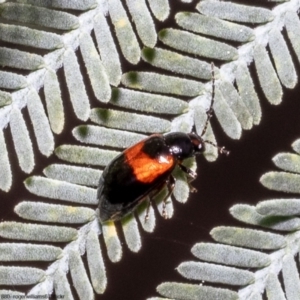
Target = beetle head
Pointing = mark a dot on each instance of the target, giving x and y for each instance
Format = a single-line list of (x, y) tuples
[(197, 142), (182, 145)]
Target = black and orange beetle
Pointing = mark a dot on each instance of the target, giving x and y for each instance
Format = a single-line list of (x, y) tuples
[(145, 168)]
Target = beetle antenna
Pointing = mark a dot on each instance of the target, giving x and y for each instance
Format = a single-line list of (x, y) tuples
[(222, 150), (210, 110)]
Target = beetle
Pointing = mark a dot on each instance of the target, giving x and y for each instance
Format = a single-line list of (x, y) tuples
[(143, 169)]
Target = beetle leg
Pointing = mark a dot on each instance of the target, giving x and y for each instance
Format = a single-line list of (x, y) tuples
[(170, 186), (148, 209), (210, 110), (151, 197), (192, 175), (188, 171), (192, 189)]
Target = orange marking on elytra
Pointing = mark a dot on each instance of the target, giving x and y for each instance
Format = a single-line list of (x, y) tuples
[(145, 168)]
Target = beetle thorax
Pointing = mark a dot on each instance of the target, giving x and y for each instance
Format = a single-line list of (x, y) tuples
[(182, 145)]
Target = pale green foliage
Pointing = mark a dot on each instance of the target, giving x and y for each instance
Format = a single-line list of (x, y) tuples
[(107, 49), (79, 276), (273, 288), (279, 207), (292, 25), (131, 233), (288, 162), (20, 59), (226, 117), (230, 255), (191, 43), (235, 12), (61, 285), (77, 90), (101, 136), (250, 238), (39, 16), (40, 124), (12, 81), (281, 181), (22, 142), (114, 248), (20, 275), (85, 155), (296, 146), (158, 298), (249, 215), (160, 8), (215, 273), (95, 68), (153, 82), (73, 174), (124, 32), (236, 104), (6, 178), (147, 102), (95, 262), (5, 98), (247, 92), (38, 211), (30, 37), (282, 59), (175, 62), (107, 32), (36, 232), (54, 102), (291, 277), (60, 190), (81, 5), (159, 203), (195, 292), (181, 190), (150, 224), (144, 26), (129, 121), (211, 152), (214, 27), (267, 75), (183, 123), (28, 252)]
